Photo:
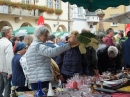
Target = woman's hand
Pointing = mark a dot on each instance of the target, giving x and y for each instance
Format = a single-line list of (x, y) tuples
[(74, 42)]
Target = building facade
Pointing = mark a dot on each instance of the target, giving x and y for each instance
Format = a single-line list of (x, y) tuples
[(16, 17), (83, 19), (113, 11)]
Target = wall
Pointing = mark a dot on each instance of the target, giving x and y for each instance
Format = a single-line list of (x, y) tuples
[(50, 19), (108, 12)]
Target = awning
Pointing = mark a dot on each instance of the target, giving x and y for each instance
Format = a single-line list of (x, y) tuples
[(123, 18), (58, 34), (93, 5)]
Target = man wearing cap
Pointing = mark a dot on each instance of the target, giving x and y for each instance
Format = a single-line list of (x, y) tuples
[(6, 55), (18, 77)]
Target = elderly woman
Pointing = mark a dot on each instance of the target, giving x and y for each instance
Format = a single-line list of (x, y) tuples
[(38, 57), (108, 59), (72, 61)]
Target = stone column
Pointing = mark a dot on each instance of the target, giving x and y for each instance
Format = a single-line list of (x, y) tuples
[(101, 15)]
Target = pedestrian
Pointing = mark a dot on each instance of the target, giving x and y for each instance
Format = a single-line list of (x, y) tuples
[(6, 55), (38, 57)]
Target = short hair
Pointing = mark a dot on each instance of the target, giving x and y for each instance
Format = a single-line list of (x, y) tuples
[(121, 33), (21, 38), (109, 30), (100, 36), (128, 34), (40, 30), (84, 30), (28, 40), (75, 32), (51, 37), (112, 50), (5, 30), (62, 38)]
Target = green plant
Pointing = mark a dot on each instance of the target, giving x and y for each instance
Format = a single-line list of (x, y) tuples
[(42, 8), (14, 4), (58, 11), (50, 10)]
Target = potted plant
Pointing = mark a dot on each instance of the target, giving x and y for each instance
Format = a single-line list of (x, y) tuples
[(42, 8), (15, 4), (58, 11), (50, 10), (3, 2)]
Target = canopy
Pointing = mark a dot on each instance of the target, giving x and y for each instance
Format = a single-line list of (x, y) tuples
[(24, 31), (58, 34), (123, 18), (93, 5)]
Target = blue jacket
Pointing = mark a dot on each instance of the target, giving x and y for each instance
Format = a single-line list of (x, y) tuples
[(18, 77), (126, 52), (61, 43), (71, 62)]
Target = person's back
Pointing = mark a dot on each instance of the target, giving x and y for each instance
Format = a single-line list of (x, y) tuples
[(126, 51), (18, 77)]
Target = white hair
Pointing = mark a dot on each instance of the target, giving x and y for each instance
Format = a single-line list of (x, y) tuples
[(62, 38), (113, 51), (40, 30)]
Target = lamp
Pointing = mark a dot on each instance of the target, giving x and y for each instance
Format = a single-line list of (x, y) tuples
[(58, 19)]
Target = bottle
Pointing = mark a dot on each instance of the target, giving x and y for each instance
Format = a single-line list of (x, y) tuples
[(50, 91), (75, 86), (39, 93)]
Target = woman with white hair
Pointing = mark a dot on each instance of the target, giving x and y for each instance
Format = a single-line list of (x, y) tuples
[(108, 59), (38, 57)]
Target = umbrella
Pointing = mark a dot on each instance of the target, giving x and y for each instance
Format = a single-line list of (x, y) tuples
[(23, 31), (58, 34), (121, 18), (93, 5)]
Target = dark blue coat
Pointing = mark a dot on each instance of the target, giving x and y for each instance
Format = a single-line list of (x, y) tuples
[(71, 62), (126, 52), (18, 77)]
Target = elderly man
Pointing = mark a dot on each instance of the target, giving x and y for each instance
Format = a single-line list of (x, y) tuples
[(108, 59), (6, 55)]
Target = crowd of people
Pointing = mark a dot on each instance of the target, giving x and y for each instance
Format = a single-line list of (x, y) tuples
[(28, 59)]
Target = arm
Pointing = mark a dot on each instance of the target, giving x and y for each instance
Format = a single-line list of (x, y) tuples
[(59, 60), (9, 56), (52, 52)]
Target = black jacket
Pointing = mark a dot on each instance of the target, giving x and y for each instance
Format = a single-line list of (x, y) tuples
[(108, 64)]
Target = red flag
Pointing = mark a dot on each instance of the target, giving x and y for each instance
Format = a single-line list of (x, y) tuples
[(41, 20), (127, 28)]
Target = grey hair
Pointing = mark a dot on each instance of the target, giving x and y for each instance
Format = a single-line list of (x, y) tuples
[(112, 50), (5, 30), (40, 30)]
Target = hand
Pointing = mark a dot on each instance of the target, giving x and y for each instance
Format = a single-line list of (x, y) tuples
[(74, 43), (9, 76), (61, 78)]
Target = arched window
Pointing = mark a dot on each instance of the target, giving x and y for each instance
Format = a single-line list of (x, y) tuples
[(57, 4), (49, 3)]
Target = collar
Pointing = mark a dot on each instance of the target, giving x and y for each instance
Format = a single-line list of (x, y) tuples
[(50, 41), (4, 38)]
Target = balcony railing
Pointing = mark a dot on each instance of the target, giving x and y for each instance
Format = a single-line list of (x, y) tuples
[(88, 13), (17, 11)]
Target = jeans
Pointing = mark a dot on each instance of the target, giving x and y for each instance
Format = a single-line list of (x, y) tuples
[(5, 85), (34, 86)]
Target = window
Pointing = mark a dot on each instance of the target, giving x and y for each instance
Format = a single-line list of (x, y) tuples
[(49, 3), (114, 24), (80, 11), (57, 4), (27, 1), (114, 15)]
